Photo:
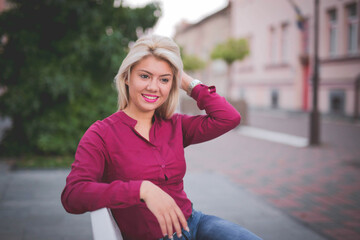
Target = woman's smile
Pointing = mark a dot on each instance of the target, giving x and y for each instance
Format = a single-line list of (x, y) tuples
[(150, 98)]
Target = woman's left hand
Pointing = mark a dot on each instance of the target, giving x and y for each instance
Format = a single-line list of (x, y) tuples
[(165, 209), (185, 81)]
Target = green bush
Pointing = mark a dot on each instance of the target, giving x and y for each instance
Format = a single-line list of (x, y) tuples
[(58, 59)]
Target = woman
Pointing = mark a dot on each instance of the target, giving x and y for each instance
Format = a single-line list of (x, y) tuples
[(133, 161)]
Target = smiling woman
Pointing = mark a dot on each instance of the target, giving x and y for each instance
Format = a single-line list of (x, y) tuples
[(149, 86), (165, 54), (133, 161), (148, 89)]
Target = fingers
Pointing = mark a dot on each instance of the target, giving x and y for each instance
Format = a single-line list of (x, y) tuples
[(169, 225), (162, 223), (176, 223), (171, 221), (165, 209), (182, 219)]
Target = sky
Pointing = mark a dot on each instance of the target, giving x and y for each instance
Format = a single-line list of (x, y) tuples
[(174, 11)]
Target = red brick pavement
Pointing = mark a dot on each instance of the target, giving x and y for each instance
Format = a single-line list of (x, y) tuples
[(318, 186)]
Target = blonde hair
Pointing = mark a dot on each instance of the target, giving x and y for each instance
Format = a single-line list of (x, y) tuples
[(160, 47)]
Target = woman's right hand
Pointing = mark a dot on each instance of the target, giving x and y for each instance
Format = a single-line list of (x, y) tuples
[(165, 209)]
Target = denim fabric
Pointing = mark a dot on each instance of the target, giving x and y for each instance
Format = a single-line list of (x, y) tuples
[(207, 227)]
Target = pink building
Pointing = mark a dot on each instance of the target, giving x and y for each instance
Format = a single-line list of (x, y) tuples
[(277, 73)]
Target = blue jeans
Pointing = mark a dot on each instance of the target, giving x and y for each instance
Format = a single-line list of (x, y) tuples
[(207, 227)]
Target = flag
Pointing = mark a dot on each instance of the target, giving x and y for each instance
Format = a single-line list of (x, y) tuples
[(300, 19)]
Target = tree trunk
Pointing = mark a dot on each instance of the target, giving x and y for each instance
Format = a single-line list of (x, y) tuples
[(228, 82)]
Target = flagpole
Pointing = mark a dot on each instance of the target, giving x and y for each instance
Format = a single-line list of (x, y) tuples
[(314, 115)]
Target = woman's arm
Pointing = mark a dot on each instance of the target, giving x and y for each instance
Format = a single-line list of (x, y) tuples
[(220, 116), (84, 190)]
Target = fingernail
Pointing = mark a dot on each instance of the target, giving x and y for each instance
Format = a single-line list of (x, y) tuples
[(180, 235), (187, 229)]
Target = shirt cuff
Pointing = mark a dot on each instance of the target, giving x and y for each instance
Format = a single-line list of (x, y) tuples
[(130, 195), (201, 87)]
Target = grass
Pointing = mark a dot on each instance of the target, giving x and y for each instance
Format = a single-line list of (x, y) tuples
[(44, 162)]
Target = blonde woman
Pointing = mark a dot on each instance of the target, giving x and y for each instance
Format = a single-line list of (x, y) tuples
[(133, 161)]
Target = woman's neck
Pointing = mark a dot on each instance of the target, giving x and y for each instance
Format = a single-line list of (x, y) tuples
[(144, 121), (142, 117)]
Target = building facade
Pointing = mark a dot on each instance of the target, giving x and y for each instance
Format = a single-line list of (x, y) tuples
[(277, 74), (200, 38)]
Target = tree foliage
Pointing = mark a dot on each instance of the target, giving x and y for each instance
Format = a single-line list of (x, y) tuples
[(231, 50), (58, 59), (191, 61)]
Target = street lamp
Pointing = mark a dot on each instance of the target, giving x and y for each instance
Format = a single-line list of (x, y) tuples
[(314, 115)]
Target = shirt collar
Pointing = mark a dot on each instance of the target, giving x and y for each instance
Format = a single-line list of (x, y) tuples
[(126, 119), (132, 122)]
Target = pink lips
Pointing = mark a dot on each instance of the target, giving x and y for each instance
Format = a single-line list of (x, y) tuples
[(150, 98)]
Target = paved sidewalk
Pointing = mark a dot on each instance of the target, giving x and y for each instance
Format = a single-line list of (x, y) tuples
[(316, 186), (30, 207)]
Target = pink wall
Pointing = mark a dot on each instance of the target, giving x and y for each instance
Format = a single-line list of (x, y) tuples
[(276, 45)]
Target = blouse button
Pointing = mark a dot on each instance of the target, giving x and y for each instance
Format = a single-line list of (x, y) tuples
[(163, 166)]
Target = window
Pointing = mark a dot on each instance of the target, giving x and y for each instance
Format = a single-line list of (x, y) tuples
[(273, 47), (352, 28), (274, 98), (332, 16), (284, 42), (337, 101)]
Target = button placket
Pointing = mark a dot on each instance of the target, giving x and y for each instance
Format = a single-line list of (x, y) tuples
[(162, 164)]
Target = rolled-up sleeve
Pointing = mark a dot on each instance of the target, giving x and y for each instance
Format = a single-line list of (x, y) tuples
[(84, 190), (220, 117)]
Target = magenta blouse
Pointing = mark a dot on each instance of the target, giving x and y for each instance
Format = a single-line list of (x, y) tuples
[(112, 160)]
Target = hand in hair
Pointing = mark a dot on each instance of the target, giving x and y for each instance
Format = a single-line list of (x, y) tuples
[(165, 209), (185, 81)]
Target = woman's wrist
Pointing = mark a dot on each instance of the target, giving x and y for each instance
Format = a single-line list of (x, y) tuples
[(143, 189), (185, 81), (188, 83), (192, 85)]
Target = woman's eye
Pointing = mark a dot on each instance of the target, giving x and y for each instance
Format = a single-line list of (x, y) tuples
[(144, 76), (164, 80)]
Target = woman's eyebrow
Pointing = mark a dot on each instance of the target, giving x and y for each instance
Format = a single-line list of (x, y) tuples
[(162, 75)]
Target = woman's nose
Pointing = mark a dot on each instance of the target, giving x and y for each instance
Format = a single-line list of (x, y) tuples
[(152, 86)]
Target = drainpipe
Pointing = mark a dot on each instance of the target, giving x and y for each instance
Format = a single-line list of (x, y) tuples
[(314, 139)]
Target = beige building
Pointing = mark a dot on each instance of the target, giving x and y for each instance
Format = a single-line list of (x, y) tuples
[(277, 73), (200, 38)]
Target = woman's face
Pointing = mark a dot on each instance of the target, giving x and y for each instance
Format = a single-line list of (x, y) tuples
[(150, 84)]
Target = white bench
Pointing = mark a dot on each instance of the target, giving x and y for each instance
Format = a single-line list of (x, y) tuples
[(104, 226)]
